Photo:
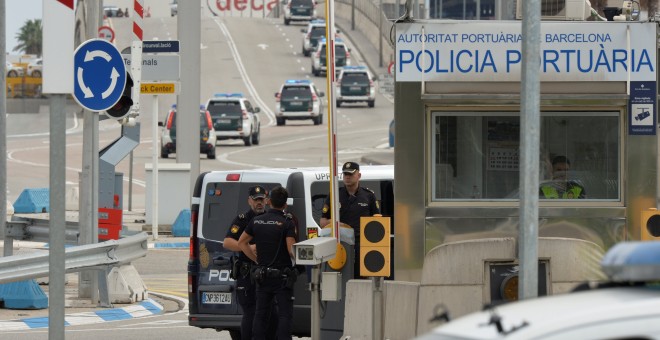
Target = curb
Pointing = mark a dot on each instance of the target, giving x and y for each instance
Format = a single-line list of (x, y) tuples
[(148, 307)]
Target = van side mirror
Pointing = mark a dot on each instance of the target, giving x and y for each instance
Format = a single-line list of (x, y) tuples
[(321, 94), (161, 124), (256, 109)]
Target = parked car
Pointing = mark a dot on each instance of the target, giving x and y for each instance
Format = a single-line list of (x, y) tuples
[(234, 117), (206, 134), (355, 84), (624, 307), (13, 70), (299, 100), (112, 11), (35, 68)]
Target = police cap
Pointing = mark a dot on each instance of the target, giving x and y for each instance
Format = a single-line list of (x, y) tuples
[(258, 191), (350, 167)]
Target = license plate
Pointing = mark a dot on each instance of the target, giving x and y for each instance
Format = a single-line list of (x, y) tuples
[(296, 103), (355, 88), (216, 298), (223, 121)]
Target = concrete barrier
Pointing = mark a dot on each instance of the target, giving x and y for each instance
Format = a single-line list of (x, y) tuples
[(125, 285), (33, 201), (400, 303), (462, 283), (181, 226), (23, 295)]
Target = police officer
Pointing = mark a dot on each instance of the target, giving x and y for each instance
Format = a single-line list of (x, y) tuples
[(561, 187), (245, 289), (274, 235), (355, 201)]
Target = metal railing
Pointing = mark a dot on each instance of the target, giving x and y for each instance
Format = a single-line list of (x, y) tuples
[(37, 230), (91, 256)]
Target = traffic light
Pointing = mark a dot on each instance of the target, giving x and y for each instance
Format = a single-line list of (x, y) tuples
[(123, 106), (650, 228), (375, 246)]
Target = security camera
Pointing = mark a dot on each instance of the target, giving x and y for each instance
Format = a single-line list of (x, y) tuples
[(315, 250)]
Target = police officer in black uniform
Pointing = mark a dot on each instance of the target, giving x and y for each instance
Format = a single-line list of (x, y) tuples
[(355, 201), (274, 235), (245, 289)]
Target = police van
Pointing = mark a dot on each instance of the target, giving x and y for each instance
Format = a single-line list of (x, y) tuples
[(218, 197)]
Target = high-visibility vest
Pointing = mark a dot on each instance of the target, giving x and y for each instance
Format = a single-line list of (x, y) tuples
[(551, 192)]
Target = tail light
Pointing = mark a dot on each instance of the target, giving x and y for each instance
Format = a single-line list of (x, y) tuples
[(170, 120), (318, 54), (194, 254), (245, 115), (371, 83), (348, 54), (309, 35), (288, 5), (209, 122), (314, 97), (277, 97)]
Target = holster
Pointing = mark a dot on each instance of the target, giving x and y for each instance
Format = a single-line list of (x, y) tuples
[(257, 274), (291, 275)]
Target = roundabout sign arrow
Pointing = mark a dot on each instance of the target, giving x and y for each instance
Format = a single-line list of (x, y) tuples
[(100, 75)]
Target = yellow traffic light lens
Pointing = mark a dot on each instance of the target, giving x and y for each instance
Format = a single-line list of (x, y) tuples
[(509, 288)]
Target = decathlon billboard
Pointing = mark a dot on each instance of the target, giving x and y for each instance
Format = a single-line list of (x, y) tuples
[(492, 51)]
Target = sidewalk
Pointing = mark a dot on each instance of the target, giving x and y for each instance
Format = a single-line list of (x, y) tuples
[(81, 311)]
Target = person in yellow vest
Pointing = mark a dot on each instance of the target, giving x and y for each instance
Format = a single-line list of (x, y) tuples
[(561, 187)]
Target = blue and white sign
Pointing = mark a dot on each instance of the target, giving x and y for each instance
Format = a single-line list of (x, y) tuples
[(99, 75), (641, 111), (488, 51)]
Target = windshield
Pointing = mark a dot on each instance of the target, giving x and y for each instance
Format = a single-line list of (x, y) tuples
[(318, 31)]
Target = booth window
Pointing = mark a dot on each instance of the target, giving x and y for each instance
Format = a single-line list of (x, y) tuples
[(476, 156)]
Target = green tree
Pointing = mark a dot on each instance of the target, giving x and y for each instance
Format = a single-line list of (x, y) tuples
[(29, 38)]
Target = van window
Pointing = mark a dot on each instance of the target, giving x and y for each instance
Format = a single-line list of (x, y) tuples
[(223, 201), (383, 189), (230, 108)]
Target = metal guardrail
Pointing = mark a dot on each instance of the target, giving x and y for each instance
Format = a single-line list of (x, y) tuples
[(90, 256), (36, 230)]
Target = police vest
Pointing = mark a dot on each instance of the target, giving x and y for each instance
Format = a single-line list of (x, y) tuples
[(551, 192)]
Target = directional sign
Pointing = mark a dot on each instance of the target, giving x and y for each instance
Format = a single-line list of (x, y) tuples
[(107, 33), (158, 88), (160, 46), (99, 75), (157, 67)]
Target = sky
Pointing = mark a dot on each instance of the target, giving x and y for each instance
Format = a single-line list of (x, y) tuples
[(17, 13)]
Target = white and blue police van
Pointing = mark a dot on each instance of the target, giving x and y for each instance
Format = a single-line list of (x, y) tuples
[(221, 195)]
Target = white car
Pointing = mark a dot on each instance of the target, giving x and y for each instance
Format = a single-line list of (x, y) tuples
[(299, 100), (35, 68), (206, 134), (13, 70), (355, 84), (234, 117), (342, 57), (625, 307), (299, 10), (314, 32), (174, 8)]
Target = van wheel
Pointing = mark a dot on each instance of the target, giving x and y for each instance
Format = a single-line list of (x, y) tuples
[(248, 140), (286, 22), (12, 74), (164, 154), (338, 103), (281, 121), (235, 334), (372, 103), (211, 154), (316, 120)]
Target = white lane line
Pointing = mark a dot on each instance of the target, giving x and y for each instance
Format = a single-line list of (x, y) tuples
[(225, 157), (243, 72), (41, 134)]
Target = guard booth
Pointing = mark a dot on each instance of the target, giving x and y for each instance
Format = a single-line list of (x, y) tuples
[(458, 124)]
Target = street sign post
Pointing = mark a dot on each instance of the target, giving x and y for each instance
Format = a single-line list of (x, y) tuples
[(99, 75)]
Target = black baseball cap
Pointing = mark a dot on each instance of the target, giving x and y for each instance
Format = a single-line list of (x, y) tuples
[(258, 191), (350, 167)]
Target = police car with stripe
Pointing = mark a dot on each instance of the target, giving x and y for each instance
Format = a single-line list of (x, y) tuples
[(221, 195), (355, 84), (299, 100)]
